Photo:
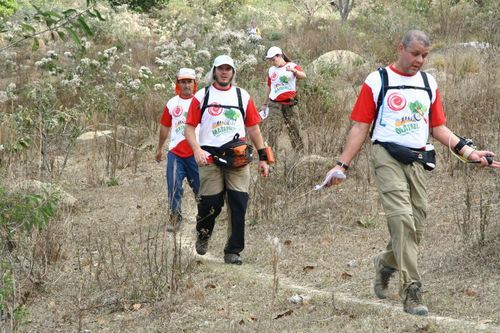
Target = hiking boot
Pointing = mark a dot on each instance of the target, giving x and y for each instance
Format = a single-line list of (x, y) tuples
[(175, 222), (382, 276), (201, 246), (232, 258), (413, 303)]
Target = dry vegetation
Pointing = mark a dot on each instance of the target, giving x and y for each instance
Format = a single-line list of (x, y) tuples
[(107, 263)]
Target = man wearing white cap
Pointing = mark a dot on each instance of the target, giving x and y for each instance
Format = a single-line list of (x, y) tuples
[(180, 160), (281, 98), (225, 114)]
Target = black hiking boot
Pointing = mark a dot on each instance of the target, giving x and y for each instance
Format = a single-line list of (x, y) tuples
[(232, 258), (201, 246), (382, 276), (413, 303)]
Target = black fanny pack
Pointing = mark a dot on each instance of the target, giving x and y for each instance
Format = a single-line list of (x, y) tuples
[(407, 155), (233, 154)]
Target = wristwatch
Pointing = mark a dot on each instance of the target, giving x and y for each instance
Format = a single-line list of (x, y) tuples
[(343, 165)]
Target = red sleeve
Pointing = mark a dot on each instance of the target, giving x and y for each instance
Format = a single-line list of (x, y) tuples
[(437, 112), (268, 81), (252, 117), (166, 118), (364, 109), (194, 113)]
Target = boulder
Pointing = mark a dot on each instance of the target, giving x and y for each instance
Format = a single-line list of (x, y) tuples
[(337, 59), (66, 200)]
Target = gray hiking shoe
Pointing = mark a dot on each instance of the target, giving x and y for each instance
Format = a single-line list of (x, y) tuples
[(175, 222), (413, 303), (382, 276), (201, 246), (232, 258)]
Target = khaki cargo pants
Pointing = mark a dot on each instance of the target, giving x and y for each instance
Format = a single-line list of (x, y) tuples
[(273, 125), (404, 197)]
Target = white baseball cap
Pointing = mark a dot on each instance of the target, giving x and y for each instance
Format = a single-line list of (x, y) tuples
[(186, 73), (273, 50), (224, 60)]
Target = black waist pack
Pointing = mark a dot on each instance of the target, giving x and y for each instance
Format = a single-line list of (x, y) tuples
[(407, 155), (233, 154)]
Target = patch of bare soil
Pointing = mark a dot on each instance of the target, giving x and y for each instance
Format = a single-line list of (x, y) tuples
[(122, 272)]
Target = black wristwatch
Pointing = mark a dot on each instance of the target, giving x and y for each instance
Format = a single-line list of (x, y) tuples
[(343, 165), (462, 143), (262, 154)]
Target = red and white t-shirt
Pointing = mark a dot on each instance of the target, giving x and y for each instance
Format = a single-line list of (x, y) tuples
[(174, 116), (404, 115), (219, 125), (282, 82)]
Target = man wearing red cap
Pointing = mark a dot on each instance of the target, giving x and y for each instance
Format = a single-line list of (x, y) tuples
[(180, 160), (225, 114)]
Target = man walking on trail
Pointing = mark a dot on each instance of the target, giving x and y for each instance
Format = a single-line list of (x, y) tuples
[(224, 113), (404, 106), (180, 160)]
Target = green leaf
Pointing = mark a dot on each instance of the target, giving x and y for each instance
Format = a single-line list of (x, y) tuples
[(62, 35), (74, 36), (55, 14), (83, 25), (36, 44), (69, 12), (99, 16), (27, 27)]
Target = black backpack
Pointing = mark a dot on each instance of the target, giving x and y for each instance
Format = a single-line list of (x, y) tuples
[(385, 87)]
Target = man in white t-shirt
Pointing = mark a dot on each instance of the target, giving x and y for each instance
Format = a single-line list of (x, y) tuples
[(403, 115), (181, 163), (224, 113)]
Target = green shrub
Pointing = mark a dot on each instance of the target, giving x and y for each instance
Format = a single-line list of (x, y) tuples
[(7, 7), (139, 5), (23, 212)]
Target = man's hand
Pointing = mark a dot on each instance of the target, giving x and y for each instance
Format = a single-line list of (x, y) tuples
[(334, 180), (264, 168), (159, 155), (480, 156), (201, 157)]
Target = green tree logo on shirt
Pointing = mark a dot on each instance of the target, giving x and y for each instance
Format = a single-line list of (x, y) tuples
[(284, 79), (231, 114), (417, 107)]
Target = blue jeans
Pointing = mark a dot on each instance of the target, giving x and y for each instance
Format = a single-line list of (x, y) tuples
[(179, 168)]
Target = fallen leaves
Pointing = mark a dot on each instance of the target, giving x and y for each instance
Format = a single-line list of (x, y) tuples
[(284, 314)]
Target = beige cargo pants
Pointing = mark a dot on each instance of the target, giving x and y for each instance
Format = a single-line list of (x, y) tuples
[(404, 197)]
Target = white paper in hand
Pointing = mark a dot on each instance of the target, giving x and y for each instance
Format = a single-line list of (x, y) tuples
[(264, 113), (336, 174)]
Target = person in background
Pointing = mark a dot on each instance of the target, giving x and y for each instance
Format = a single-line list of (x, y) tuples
[(403, 108), (225, 114), (181, 163), (281, 99)]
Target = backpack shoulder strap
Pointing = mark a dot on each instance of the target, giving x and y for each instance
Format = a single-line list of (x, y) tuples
[(205, 100), (426, 84), (381, 95), (240, 102)]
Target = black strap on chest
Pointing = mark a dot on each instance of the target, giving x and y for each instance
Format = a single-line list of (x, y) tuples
[(206, 105), (385, 87)]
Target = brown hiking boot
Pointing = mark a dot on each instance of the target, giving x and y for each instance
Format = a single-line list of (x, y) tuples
[(382, 276), (413, 303), (175, 222)]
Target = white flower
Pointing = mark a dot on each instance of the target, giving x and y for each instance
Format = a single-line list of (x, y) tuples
[(3, 97), (118, 85), (159, 86), (85, 61), (204, 54), (68, 54), (52, 54), (188, 44), (11, 87), (135, 84)]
